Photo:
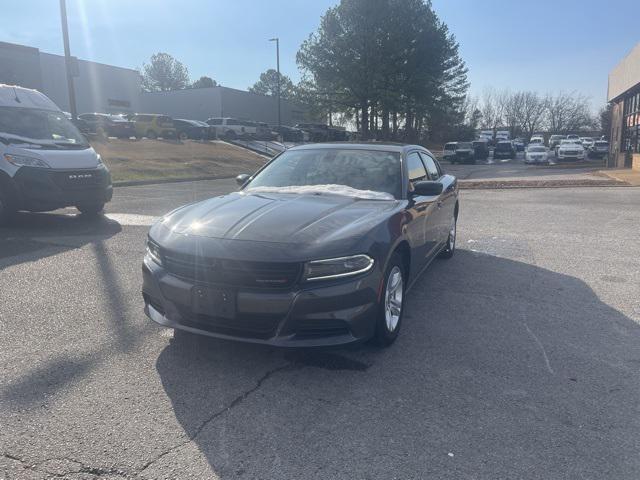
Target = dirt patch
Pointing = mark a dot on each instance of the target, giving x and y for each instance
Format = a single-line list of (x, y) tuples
[(141, 160)]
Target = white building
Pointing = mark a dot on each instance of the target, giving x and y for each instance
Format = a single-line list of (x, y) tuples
[(110, 89)]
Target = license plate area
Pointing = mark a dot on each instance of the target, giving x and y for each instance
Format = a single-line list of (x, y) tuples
[(213, 302)]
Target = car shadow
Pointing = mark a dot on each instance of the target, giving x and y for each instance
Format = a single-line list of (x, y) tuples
[(503, 370), (32, 236)]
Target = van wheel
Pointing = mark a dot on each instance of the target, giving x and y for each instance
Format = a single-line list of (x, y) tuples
[(91, 209), (151, 135)]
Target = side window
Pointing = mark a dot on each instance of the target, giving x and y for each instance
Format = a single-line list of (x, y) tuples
[(432, 167), (415, 168)]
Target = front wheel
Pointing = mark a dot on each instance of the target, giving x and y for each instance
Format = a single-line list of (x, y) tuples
[(6, 210), (391, 307), (450, 246), (91, 209)]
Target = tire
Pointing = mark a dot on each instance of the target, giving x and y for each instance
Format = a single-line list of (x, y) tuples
[(450, 247), (391, 306), (91, 209), (151, 135), (182, 136), (6, 210), (101, 133)]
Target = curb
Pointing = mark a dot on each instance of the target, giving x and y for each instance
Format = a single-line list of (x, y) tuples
[(516, 185), (161, 181)]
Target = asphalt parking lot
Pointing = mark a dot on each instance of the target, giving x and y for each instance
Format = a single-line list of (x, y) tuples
[(519, 358)]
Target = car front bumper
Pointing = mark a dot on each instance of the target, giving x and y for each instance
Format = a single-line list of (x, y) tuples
[(43, 189), (313, 315)]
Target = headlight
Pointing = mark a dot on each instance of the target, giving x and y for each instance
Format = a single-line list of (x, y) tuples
[(24, 161), (100, 162), (337, 267), (154, 253)]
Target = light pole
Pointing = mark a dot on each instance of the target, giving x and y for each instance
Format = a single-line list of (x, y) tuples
[(277, 40), (67, 59)]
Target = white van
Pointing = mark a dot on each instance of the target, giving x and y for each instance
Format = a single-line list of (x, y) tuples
[(232, 128), (45, 162)]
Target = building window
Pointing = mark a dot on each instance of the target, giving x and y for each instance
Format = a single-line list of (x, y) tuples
[(631, 122)]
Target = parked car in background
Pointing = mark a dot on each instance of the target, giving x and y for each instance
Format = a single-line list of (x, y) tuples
[(79, 123), (554, 141), (190, 129), (518, 144), (348, 228), (45, 162), (570, 149), (449, 150), (536, 140), (502, 135), (536, 153), (289, 134), (480, 149), (338, 134), (153, 125), (587, 142), (318, 132), (105, 125), (573, 136), (231, 128), (487, 136), (263, 131), (464, 153), (599, 149), (504, 149)]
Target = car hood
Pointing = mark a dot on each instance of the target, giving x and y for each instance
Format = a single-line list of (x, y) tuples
[(295, 219)]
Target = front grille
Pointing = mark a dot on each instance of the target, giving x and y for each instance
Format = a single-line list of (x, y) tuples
[(570, 153), (321, 328), (71, 179), (232, 272), (246, 326)]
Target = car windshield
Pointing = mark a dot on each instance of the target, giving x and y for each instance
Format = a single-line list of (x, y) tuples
[(503, 146), (363, 170), (44, 127)]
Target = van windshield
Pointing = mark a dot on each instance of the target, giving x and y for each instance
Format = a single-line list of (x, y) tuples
[(42, 127)]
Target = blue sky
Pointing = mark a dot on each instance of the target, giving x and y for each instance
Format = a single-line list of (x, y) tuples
[(547, 45)]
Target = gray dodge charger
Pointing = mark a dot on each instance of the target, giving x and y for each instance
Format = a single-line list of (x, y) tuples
[(318, 248)]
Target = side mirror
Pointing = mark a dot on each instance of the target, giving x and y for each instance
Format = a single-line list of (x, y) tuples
[(427, 188), (242, 179)]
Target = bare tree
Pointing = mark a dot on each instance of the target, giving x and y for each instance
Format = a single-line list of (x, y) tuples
[(533, 114), (569, 112)]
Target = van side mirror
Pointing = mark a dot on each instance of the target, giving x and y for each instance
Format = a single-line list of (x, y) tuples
[(242, 179), (427, 188)]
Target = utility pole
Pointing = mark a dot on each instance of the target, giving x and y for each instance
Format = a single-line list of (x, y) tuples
[(67, 59), (277, 40)]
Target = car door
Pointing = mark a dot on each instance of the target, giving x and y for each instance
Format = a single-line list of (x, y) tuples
[(422, 230), (446, 202)]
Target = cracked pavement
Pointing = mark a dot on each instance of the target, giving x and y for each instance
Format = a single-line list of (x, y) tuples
[(519, 358)]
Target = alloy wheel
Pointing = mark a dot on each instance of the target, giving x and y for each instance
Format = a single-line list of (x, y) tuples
[(393, 298)]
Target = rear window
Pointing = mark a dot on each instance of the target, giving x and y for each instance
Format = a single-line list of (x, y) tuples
[(601, 144), (537, 149), (464, 146), (503, 146), (450, 146)]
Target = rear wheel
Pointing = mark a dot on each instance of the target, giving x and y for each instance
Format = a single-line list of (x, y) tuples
[(91, 209), (391, 304)]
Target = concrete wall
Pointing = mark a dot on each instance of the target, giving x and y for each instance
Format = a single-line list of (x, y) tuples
[(195, 103), (20, 65), (202, 103), (616, 158), (625, 75), (98, 87)]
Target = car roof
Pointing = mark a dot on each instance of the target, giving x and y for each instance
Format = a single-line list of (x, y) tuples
[(20, 97), (379, 146)]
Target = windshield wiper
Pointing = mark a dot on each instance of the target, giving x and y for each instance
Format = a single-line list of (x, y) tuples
[(10, 139), (73, 145)]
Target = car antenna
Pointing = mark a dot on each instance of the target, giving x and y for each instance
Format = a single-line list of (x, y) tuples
[(15, 92)]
